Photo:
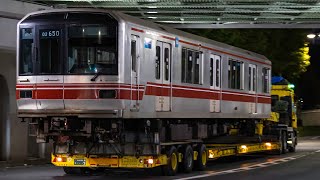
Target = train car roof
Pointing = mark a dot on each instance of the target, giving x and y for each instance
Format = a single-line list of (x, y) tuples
[(163, 29)]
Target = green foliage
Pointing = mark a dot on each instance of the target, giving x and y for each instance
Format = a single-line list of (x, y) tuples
[(284, 47)]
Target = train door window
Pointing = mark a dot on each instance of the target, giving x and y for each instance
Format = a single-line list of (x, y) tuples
[(183, 65), (134, 55), (189, 66), (26, 49), (197, 68), (211, 71), (215, 71), (235, 74), (252, 77), (158, 64), (166, 63), (265, 80), (50, 51), (217, 59)]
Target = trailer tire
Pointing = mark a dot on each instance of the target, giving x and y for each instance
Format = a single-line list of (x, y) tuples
[(187, 160), (201, 162), (71, 170), (172, 163)]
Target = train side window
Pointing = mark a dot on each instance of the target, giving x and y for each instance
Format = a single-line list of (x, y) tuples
[(235, 74), (158, 64), (191, 68), (211, 71), (166, 63), (265, 80), (133, 55)]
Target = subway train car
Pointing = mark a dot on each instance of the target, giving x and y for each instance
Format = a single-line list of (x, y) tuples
[(107, 84)]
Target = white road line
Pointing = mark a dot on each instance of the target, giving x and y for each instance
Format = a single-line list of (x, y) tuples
[(316, 137), (317, 151), (255, 166)]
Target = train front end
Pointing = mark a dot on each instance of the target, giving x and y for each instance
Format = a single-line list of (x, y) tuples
[(69, 87)]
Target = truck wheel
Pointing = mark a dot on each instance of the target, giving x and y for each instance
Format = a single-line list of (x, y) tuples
[(172, 163), (280, 150), (201, 162), (284, 142), (71, 170), (293, 147), (187, 161)]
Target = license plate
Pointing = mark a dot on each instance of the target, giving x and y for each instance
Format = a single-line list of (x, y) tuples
[(79, 162)]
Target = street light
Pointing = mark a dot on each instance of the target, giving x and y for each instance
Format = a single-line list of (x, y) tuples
[(311, 36)]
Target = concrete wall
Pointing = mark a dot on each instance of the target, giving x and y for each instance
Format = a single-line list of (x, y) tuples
[(13, 134)]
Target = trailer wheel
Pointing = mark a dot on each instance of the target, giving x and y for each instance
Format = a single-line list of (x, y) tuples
[(71, 170), (201, 162), (172, 164), (187, 161)]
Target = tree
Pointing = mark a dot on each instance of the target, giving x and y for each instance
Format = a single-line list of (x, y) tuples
[(284, 47)]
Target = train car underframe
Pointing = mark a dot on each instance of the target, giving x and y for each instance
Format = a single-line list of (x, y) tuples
[(148, 143)]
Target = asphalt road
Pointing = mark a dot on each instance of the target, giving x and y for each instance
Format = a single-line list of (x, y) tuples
[(303, 164)]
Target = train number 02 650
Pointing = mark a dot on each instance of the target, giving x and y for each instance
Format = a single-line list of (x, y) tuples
[(50, 33)]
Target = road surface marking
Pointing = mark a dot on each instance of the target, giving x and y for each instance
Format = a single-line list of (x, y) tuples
[(247, 168), (316, 137)]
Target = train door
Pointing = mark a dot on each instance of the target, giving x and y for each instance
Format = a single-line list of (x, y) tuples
[(49, 55), (163, 76), (215, 82), (135, 71), (253, 88)]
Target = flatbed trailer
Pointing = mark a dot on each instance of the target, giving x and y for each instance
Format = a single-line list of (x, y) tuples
[(213, 151)]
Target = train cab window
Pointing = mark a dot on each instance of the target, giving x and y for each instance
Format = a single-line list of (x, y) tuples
[(191, 66), (26, 48), (50, 51), (235, 74), (265, 80), (158, 65), (92, 49)]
